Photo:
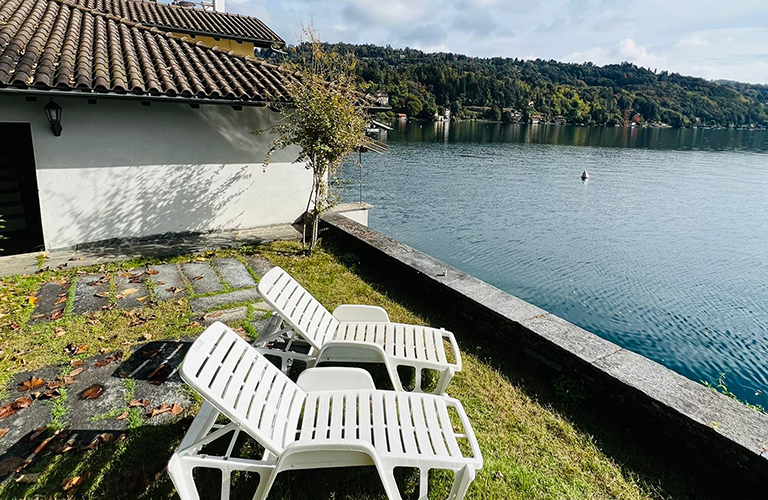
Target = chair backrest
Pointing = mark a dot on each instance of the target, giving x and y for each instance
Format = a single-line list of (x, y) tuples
[(298, 307), (243, 385)]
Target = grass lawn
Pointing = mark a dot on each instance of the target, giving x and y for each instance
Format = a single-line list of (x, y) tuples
[(531, 449)]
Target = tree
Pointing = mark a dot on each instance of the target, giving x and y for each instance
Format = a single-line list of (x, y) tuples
[(324, 118)]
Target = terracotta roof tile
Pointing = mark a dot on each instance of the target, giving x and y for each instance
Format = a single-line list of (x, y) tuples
[(55, 44), (189, 20)]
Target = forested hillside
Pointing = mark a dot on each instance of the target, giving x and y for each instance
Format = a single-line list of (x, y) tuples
[(419, 83)]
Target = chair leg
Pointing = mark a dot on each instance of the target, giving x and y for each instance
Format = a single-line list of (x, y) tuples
[(265, 484), (388, 480), (461, 482), (181, 476), (423, 484)]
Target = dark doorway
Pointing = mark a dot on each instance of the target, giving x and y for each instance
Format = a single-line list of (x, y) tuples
[(19, 202)]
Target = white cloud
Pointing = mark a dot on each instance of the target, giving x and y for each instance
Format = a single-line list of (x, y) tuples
[(707, 38)]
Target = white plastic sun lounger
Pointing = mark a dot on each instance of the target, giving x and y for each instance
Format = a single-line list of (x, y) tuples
[(331, 417), (353, 333)]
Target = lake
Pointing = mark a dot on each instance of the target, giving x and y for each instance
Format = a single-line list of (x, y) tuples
[(663, 250)]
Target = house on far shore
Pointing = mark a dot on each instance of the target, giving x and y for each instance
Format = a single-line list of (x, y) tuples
[(537, 119), (111, 127), (401, 116), (559, 120)]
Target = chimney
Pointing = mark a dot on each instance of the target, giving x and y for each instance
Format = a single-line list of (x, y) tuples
[(218, 6)]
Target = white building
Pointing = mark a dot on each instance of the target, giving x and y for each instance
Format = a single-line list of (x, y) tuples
[(155, 131)]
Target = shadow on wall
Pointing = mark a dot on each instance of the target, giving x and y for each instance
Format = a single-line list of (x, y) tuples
[(154, 201)]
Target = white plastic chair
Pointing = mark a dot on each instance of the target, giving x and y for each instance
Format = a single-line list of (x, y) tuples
[(353, 333), (331, 417)]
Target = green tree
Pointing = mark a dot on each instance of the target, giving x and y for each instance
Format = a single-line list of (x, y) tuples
[(325, 119)]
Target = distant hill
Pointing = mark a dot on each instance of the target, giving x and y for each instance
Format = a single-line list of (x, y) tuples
[(471, 87)]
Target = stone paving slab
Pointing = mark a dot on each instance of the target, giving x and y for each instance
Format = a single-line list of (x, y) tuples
[(226, 316), (261, 308), (127, 300), (234, 273), (49, 299), (202, 277), (85, 294), (201, 304), (168, 277), (259, 265)]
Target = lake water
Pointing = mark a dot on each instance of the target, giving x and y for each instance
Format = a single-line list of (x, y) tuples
[(664, 250)]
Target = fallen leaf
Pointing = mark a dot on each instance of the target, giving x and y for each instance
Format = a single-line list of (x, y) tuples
[(74, 482), (33, 300), (105, 437), (193, 324), (149, 354), (59, 332), (125, 275), (159, 374), (197, 278), (105, 361), (142, 299), (76, 362), (22, 403), (61, 300), (173, 289), (74, 349), (74, 373), (28, 478), (152, 271), (31, 383), (56, 314), (210, 315), (135, 403), (122, 416), (176, 409), (4, 431), (139, 482), (102, 295), (159, 283), (127, 292), (163, 408), (51, 394), (92, 392)]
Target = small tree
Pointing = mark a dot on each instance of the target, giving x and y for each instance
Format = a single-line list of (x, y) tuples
[(325, 119)]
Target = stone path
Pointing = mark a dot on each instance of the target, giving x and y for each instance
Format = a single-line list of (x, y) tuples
[(223, 284), (139, 386)]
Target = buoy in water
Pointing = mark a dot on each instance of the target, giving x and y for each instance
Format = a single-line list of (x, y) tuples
[(584, 175)]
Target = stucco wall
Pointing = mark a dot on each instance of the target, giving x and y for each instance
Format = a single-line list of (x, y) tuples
[(121, 169)]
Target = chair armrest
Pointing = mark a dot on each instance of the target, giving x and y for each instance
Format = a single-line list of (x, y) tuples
[(335, 379), (360, 313)]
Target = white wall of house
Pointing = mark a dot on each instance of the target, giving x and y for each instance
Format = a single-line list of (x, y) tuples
[(121, 169)]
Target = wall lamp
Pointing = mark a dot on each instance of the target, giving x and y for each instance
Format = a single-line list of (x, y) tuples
[(53, 113)]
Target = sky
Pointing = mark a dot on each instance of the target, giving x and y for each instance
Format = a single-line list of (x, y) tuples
[(724, 39)]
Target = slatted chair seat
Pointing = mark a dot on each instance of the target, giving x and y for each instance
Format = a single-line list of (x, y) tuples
[(310, 424), (357, 333)]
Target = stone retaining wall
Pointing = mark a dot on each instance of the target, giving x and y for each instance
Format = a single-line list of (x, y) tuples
[(720, 435)]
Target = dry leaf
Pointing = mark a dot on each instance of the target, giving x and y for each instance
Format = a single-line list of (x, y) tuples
[(74, 482), (61, 300), (210, 315), (74, 349), (4, 431), (149, 354), (163, 408), (159, 283), (76, 362), (122, 416), (135, 403), (56, 314), (173, 289), (33, 300), (59, 332), (176, 409), (126, 293), (159, 374), (102, 295), (193, 324), (74, 373), (142, 299), (152, 271), (28, 478), (197, 278), (31, 383), (92, 392), (22, 403)]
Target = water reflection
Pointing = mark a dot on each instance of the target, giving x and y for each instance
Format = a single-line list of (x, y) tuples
[(615, 137)]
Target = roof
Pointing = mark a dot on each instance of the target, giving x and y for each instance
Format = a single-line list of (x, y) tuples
[(189, 20), (54, 45)]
